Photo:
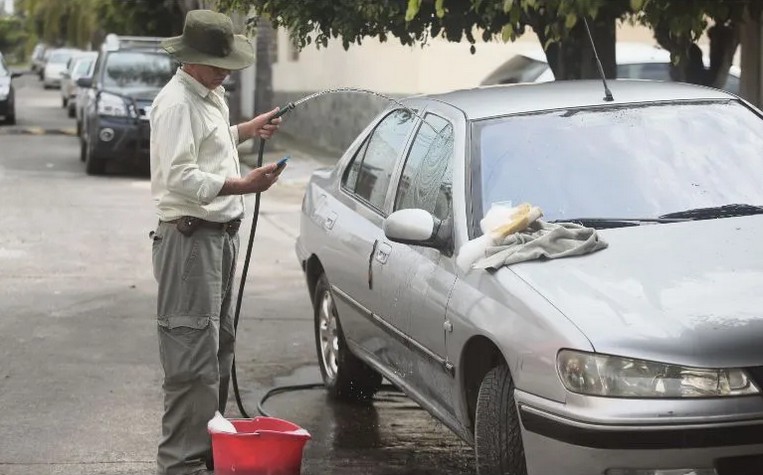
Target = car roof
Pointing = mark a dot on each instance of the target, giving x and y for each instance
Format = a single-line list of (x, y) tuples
[(492, 101)]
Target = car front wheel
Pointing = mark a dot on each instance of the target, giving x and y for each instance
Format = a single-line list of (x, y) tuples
[(93, 165), (498, 438), (345, 376)]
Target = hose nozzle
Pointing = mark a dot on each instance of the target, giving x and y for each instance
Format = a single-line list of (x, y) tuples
[(283, 110)]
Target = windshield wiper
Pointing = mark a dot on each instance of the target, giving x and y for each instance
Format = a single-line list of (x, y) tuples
[(725, 211), (604, 223)]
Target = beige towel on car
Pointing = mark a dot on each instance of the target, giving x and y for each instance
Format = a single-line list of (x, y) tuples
[(541, 240)]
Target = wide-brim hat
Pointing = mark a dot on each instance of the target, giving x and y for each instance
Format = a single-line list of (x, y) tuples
[(208, 39)]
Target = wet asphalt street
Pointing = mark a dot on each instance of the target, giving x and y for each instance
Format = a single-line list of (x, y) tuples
[(79, 371)]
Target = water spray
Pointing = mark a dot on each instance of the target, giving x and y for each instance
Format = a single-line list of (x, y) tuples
[(282, 111)]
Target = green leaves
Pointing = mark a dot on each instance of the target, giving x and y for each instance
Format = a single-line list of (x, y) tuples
[(413, 9)]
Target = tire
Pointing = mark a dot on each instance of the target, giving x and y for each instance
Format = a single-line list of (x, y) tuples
[(497, 435), (345, 376), (93, 164), (64, 103), (70, 111)]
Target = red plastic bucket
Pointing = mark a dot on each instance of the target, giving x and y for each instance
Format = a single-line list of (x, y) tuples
[(260, 446)]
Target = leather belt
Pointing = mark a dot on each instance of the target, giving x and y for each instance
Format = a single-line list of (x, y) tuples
[(188, 224)]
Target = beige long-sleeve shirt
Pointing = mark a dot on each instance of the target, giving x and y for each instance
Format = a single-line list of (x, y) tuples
[(193, 151)]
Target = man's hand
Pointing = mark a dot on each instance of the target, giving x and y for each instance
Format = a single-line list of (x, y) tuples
[(261, 126), (257, 180)]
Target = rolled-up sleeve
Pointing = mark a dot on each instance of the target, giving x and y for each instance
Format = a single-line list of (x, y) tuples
[(234, 134), (178, 148)]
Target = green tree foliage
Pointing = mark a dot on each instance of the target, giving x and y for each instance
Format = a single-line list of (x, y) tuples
[(85, 22), (415, 21), (678, 24), (12, 38)]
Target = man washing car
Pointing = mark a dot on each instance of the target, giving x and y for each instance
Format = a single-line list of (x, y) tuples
[(197, 185)]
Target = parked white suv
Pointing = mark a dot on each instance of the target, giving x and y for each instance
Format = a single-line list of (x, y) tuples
[(634, 61)]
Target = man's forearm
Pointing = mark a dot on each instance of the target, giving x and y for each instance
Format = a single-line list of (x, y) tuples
[(245, 131), (233, 186)]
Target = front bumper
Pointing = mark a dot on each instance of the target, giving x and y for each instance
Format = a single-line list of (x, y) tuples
[(130, 142), (611, 434)]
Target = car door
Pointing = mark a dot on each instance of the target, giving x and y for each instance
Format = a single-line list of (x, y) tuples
[(415, 281), (353, 223)]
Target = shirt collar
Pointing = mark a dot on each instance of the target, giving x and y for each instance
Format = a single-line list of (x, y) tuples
[(196, 86)]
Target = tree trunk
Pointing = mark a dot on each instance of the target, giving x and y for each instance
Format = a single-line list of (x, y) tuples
[(752, 58), (263, 90), (574, 58), (724, 40), (263, 82)]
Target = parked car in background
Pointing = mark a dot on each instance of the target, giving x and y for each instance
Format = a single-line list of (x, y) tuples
[(634, 61), (45, 56), (79, 65), (81, 98), (38, 58), (7, 93), (55, 67), (641, 358), (128, 74)]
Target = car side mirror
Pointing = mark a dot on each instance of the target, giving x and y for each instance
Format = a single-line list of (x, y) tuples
[(66, 75), (85, 82), (15, 75), (418, 227)]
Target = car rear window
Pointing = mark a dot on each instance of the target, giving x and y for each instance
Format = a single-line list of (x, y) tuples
[(638, 161)]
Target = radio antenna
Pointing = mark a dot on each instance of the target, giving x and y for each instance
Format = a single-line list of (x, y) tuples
[(607, 93)]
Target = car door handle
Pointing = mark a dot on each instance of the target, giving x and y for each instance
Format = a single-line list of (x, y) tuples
[(382, 252), (330, 220)]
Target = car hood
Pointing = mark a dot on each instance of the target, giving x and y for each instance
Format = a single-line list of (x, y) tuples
[(687, 293), (55, 67), (142, 94)]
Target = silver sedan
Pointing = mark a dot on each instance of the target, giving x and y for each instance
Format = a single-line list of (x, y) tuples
[(642, 358)]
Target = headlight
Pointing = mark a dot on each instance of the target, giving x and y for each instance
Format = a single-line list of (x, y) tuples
[(613, 376), (110, 104), (4, 91)]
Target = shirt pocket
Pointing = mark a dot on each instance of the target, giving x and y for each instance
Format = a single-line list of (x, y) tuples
[(216, 148)]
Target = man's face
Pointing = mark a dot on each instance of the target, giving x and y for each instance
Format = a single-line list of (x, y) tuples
[(209, 76)]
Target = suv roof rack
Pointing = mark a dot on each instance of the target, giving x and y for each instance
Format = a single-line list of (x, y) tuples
[(114, 42)]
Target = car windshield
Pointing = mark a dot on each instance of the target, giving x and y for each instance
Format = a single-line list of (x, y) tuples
[(640, 161), (60, 57), (131, 69), (3, 70)]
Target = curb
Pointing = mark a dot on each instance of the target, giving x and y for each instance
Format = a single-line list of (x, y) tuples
[(37, 131)]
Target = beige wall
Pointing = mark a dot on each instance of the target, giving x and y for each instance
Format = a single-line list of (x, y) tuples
[(395, 69)]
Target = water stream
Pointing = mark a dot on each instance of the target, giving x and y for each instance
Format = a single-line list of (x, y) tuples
[(361, 91)]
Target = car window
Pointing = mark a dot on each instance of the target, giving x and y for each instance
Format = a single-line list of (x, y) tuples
[(653, 71), (426, 181), (518, 69), (369, 174), (82, 67), (130, 69), (621, 162)]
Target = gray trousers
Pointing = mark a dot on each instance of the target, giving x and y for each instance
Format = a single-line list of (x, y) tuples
[(196, 339)]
